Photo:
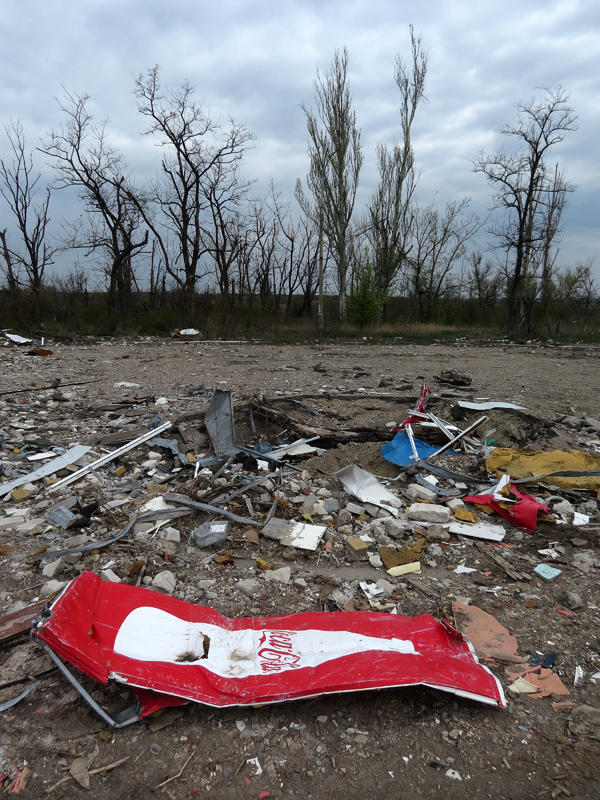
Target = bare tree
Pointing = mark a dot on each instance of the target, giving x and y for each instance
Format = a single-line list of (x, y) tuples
[(335, 161), (110, 228), (529, 195), (389, 214), (19, 188), (439, 244), (196, 154)]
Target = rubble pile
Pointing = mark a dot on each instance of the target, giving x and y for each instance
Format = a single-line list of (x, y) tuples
[(476, 512)]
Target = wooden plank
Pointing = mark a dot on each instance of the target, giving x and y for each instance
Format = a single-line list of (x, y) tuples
[(19, 622)]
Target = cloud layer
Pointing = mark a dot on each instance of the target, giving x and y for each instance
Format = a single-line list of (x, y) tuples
[(257, 62)]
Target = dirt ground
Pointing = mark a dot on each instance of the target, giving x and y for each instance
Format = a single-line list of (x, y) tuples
[(411, 742)]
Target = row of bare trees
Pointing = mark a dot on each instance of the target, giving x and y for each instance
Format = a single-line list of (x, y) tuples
[(197, 223)]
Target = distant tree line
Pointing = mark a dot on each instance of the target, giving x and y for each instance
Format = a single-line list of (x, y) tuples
[(197, 226)]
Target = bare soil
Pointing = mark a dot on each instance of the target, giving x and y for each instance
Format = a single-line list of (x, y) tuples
[(363, 745)]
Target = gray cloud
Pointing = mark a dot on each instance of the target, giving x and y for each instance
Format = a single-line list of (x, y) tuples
[(257, 61)]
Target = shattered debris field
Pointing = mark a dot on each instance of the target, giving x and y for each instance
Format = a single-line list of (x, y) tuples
[(441, 610)]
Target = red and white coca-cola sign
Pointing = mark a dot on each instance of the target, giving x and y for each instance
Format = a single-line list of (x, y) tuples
[(153, 642)]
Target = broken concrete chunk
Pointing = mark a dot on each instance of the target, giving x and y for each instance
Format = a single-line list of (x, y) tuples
[(343, 518), (248, 587), (585, 721), (170, 535), (110, 576), (50, 588), (573, 600), (166, 547), (210, 533), (434, 534), (53, 568), (165, 581), (428, 512), (564, 507), (281, 575), (394, 528), (417, 492), (75, 541), (455, 503), (386, 586), (353, 508)]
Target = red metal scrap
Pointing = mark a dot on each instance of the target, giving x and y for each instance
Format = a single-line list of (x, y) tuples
[(159, 644)]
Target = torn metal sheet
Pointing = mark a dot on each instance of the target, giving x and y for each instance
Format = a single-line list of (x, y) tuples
[(70, 457), (62, 516), (18, 698), (221, 512), (367, 488), (99, 462), (156, 642), (220, 424), (86, 548), (494, 533), (488, 406), (294, 534), (173, 446)]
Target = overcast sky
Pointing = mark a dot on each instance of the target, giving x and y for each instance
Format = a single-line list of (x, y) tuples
[(256, 61)]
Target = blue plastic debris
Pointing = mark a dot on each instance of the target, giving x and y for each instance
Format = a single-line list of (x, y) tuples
[(547, 572), (399, 451)]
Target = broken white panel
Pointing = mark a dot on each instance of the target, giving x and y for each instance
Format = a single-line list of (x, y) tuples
[(371, 590), (489, 406), (461, 570), (481, 530), (294, 534), (297, 448), (580, 519), (367, 488), (41, 456), (14, 337), (47, 469), (302, 450)]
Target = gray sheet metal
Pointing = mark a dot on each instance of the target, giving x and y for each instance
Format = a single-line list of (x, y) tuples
[(49, 468), (219, 423)]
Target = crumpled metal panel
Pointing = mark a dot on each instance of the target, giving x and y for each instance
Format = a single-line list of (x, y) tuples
[(159, 643), (219, 423)]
